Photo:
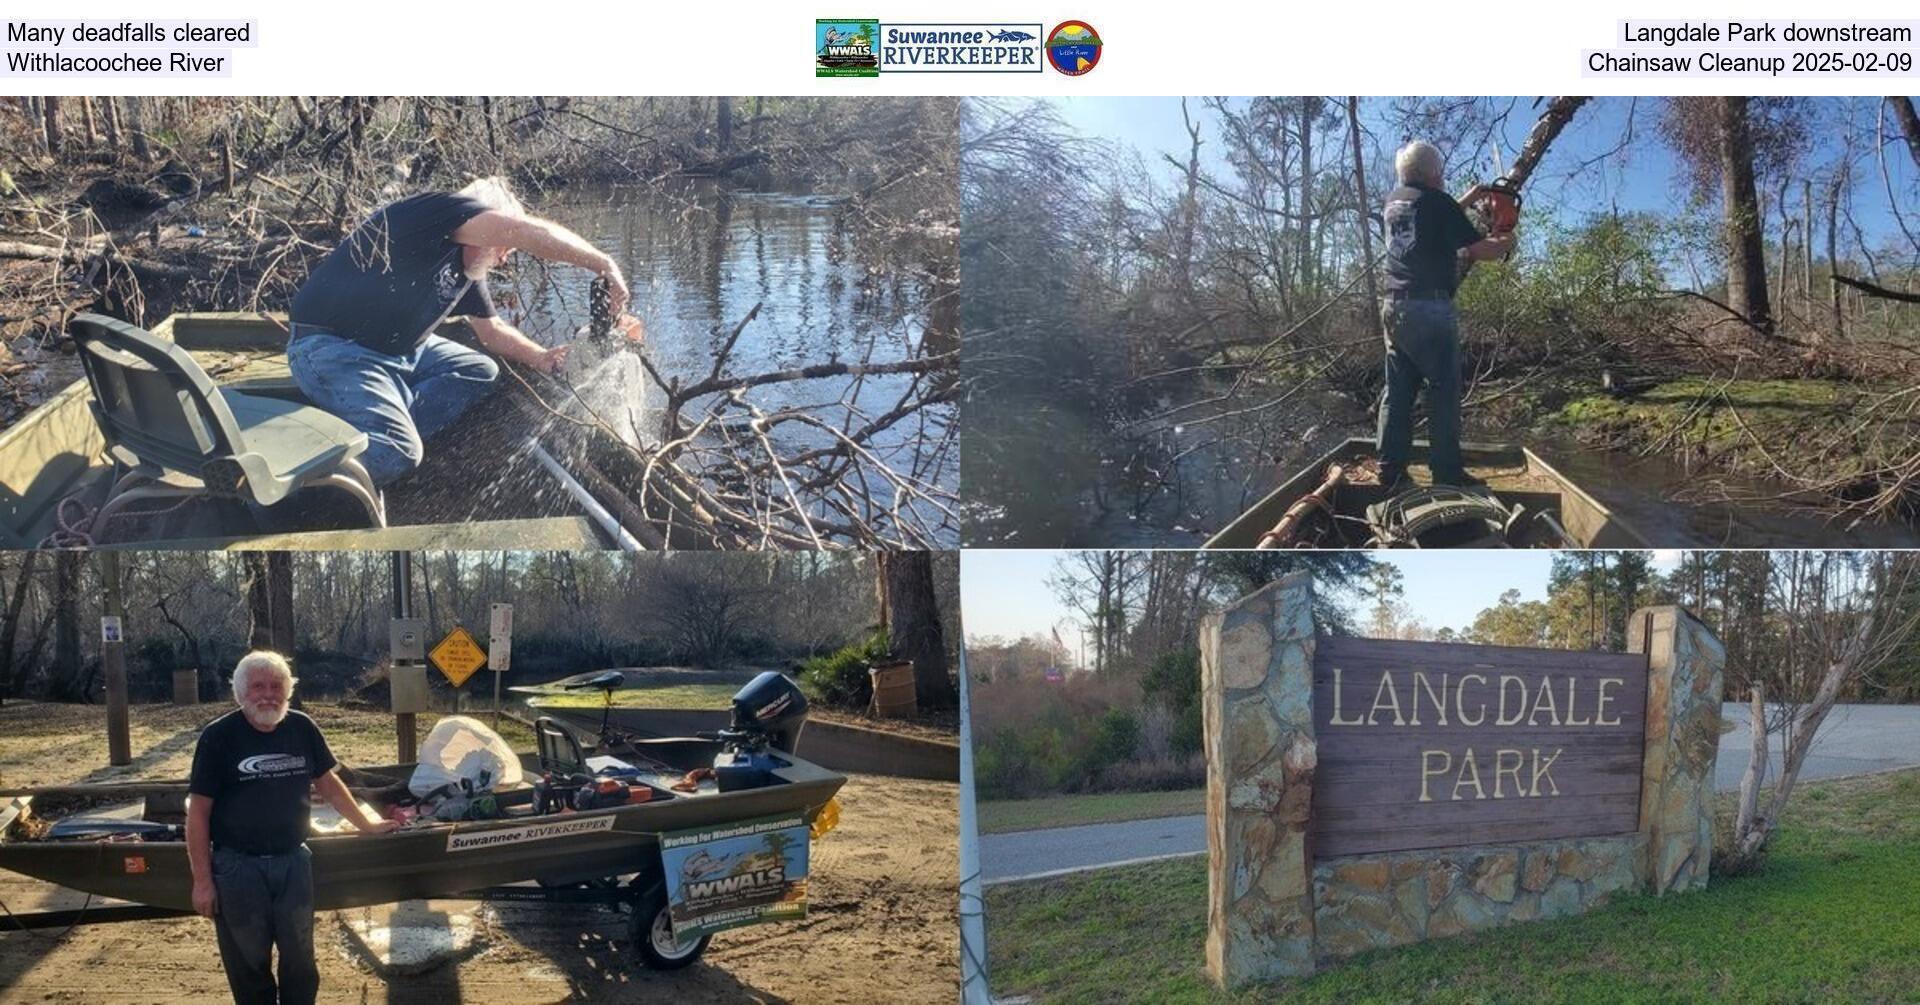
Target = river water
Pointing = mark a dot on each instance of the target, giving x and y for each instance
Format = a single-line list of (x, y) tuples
[(698, 257), (1152, 504)]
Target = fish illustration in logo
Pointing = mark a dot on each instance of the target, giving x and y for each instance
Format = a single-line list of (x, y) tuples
[(1012, 36), (700, 866)]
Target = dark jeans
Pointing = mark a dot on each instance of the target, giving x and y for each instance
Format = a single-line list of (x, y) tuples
[(398, 401), (266, 901), (1423, 346)]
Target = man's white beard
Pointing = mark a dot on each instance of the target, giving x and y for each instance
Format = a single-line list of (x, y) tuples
[(265, 718)]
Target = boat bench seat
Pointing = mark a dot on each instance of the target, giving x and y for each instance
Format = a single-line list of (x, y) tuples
[(164, 420)]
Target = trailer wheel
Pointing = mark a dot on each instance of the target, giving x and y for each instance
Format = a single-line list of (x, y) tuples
[(651, 928)]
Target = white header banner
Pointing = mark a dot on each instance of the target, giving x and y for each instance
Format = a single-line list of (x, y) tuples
[(1103, 48)]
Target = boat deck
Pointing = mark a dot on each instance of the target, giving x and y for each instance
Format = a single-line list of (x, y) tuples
[(454, 501), (1515, 476)]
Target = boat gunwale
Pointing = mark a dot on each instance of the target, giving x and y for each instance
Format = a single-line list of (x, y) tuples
[(1251, 523)]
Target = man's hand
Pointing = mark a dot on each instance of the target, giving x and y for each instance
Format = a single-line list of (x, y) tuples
[(631, 328), (378, 826), (550, 360), (206, 901)]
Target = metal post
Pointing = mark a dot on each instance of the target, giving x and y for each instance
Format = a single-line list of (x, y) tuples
[(113, 660), (403, 724)]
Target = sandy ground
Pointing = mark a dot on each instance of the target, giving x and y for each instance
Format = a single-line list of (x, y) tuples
[(881, 928)]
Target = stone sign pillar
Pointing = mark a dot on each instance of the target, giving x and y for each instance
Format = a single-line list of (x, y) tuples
[(1685, 663), (1256, 660)]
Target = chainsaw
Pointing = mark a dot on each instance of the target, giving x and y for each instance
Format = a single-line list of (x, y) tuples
[(1495, 209)]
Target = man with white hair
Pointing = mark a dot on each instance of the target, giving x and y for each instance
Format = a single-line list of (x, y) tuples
[(363, 345), (1426, 233), (247, 824)]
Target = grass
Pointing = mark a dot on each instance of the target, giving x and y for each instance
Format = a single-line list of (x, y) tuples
[(998, 816), (717, 697), (1833, 916), (1748, 424)]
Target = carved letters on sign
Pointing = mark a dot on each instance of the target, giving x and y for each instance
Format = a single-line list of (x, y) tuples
[(1413, 736)]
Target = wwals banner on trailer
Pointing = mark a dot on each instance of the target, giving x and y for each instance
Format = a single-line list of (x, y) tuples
[(738, 874)]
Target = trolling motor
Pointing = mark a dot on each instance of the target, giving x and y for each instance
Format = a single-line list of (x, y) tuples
[(768, 715)]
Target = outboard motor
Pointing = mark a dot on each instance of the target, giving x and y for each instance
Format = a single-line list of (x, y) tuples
[(768, 715)]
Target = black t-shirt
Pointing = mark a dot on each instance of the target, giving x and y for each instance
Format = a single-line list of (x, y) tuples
[(1425, 230), (259, 782), (396, 276)]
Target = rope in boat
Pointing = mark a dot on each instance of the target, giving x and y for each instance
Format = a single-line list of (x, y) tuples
[(77, 531)]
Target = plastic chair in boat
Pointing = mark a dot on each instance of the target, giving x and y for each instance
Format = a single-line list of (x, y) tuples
[(561, 753), (162, 415)]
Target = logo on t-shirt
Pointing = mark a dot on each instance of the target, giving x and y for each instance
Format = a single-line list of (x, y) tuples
[(273, 765)]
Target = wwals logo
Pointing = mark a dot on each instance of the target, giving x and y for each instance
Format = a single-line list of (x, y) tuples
[(846, 48)]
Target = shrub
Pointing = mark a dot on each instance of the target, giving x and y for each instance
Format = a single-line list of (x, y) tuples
[(840, 678)]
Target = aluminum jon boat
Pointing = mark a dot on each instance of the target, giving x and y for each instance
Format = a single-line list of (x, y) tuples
[(146, 861), (1337, 502)]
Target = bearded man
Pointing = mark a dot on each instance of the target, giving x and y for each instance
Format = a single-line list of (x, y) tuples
[(247, 825)]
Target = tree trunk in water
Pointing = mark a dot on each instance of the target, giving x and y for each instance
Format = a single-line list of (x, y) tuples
[(1366, 225), (68, 671), (9, 630), (913, 631), (723, 124), (1746, 248)]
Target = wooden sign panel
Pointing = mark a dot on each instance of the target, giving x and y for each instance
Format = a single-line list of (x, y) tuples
[(1434, 745)]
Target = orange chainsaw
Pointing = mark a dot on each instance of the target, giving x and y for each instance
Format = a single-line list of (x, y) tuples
[(1498, 203)]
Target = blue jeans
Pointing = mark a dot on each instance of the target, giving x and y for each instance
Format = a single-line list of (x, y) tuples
[(398, 401), (266, 901), (1423, 346)]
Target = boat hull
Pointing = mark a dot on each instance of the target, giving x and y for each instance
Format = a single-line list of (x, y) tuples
[(351, 870), (1532, 483)]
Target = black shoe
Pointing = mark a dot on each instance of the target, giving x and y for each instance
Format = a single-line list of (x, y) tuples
[(1459, 480)]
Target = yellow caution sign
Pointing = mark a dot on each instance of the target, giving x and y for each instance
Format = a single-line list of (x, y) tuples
[(458, 656)]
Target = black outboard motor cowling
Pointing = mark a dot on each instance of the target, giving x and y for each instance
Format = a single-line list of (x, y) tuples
[(768, 713), (772, 708)]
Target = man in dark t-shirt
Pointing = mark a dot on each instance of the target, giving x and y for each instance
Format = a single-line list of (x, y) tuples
[(247, 823), (1426, 234), (363, 345)]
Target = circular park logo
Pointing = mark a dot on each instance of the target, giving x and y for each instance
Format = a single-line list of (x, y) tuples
[(1073, 47)]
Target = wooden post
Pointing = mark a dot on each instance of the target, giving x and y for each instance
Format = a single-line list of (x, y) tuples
[(403, 722), (113, 661)]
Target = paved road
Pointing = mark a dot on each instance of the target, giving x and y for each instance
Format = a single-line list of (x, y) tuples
[(1855, 739)]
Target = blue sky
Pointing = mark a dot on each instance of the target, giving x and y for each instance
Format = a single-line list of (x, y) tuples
[(1645, 178), (1005, 593)]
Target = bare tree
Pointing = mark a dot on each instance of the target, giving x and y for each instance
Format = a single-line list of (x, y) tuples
[(1842, 617)]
